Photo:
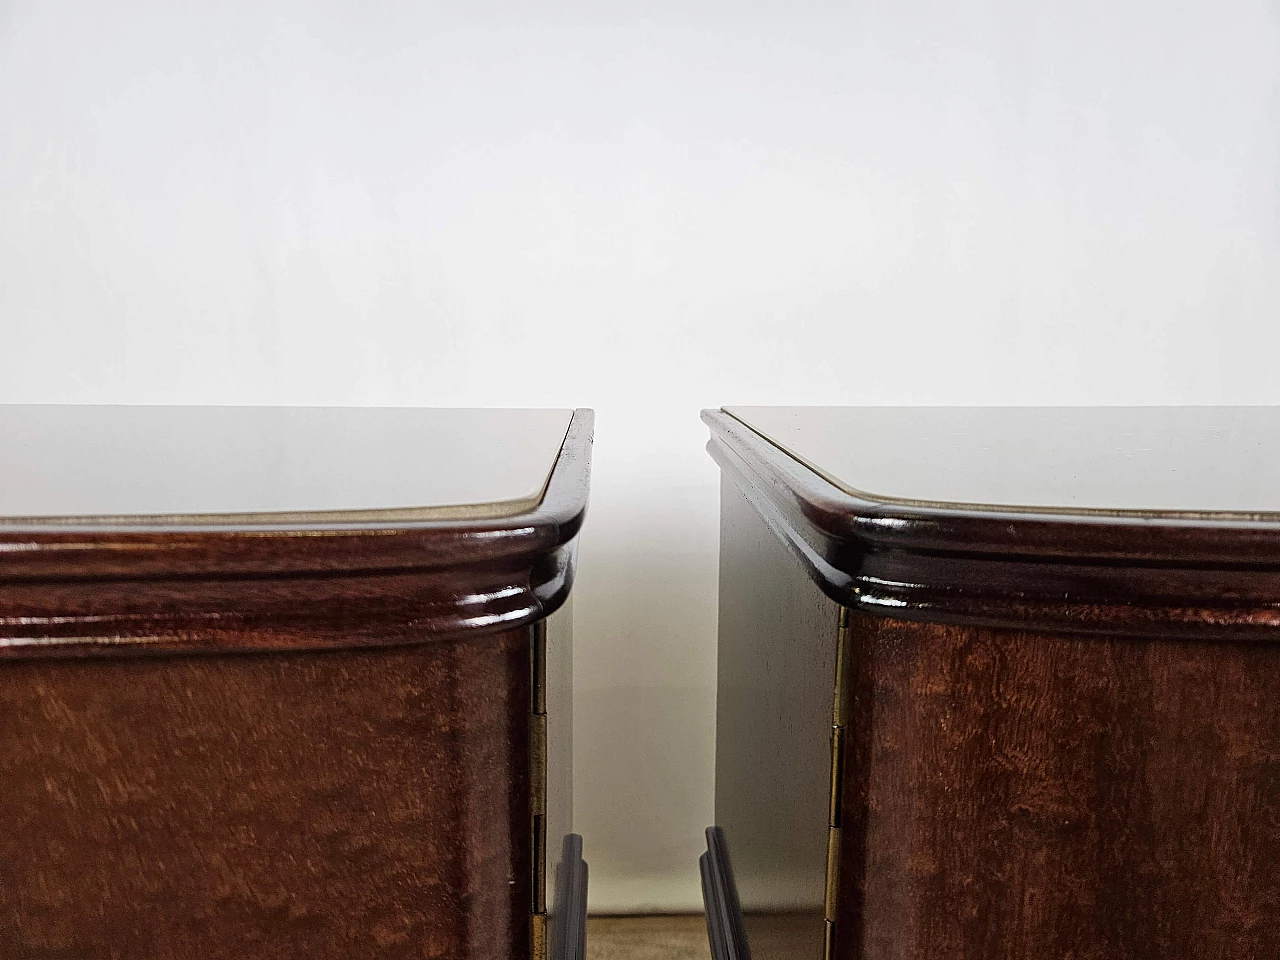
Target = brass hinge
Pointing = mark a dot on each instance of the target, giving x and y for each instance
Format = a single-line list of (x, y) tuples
[(833, 872), (538, 788), (538, 763), (839, 716), (538, 935)]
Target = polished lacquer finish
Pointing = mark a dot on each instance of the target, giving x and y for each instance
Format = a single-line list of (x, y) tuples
[(243, 464), (334, 731), (1143, 460), (359, 803), (1027, 728)]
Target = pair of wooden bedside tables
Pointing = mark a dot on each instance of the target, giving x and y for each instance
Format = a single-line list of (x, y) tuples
[(296, 682)]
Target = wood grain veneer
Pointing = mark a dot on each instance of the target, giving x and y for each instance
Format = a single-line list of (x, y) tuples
[(1053, 736), (355, 803), (302, 738), (1014, 794)]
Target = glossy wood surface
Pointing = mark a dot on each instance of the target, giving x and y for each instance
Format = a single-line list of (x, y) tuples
[(315, 737), (306, 585), (182, 465), (1060, 738), (1192, 578), (1148, 460), (1021, 795), (359, 803)]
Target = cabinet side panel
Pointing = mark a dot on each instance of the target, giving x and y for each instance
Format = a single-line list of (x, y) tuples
[(369, 803), (559, 707), (777, 664), (1037, 796)]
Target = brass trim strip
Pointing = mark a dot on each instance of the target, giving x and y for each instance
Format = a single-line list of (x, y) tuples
[(839, 716), (538, 763), (837, 775), (538, 788), (538, 668), (538, 935), (833, 872), (840, 696), (539, 864)]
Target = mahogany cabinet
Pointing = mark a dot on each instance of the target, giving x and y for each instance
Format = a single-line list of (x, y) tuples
[(288, 682), (997, 684)]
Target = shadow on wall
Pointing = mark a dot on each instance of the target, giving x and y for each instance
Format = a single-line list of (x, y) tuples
[(644, 679)]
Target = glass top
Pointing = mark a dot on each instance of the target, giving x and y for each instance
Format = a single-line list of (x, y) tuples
[(1121, 460), (266, 464)]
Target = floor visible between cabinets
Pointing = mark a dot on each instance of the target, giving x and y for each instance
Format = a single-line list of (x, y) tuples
[(647, 938)]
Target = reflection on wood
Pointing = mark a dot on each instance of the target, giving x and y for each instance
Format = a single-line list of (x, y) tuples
[(777, 669), (1060, 734)]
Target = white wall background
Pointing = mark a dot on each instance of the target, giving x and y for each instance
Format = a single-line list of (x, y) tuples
[(648, 209)]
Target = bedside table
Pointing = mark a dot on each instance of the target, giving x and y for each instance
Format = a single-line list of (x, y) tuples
[(288, 682), (998, 683)]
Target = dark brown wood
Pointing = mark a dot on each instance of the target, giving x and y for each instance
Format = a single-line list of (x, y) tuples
[(98, 590), (1059, 738), (1021, 794), (315, 738), (1125, 575), (357, 803)]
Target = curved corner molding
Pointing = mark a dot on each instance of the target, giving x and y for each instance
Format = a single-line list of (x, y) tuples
[(1196, 577), (303, 584)]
